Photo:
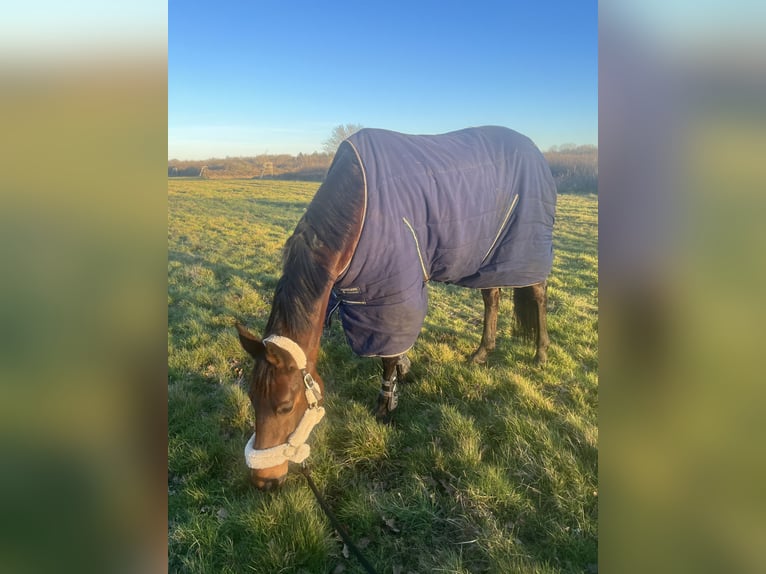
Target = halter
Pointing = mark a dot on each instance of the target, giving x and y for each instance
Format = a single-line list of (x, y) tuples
[(295, 449)]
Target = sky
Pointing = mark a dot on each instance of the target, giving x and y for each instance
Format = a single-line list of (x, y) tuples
[(54, 30), (253, 77)]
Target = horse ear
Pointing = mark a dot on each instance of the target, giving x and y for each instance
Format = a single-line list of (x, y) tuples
[(277, 356), (250, 343)]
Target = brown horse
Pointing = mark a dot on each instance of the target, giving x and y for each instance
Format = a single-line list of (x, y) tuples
[(286, 389)]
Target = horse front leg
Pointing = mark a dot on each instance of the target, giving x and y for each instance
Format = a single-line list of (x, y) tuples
[(394, 370), (491, 299)]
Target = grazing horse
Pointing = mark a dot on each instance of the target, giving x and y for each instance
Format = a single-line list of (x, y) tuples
[(474, 207)]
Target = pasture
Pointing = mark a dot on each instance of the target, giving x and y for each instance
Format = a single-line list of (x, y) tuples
[(488, 468)]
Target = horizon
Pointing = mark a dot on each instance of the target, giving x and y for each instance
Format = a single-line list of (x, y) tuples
[(230, 157), (249, 80)]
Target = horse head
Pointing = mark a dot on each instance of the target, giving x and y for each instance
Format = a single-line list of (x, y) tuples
[(286, 400)]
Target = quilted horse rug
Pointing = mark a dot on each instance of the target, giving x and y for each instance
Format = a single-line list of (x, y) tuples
[(473, 207)]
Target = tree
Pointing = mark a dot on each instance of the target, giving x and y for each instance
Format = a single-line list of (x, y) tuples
[(339, 133)]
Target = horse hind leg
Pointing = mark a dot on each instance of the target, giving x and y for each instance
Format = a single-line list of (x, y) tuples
[(491, 299), (529, 307)]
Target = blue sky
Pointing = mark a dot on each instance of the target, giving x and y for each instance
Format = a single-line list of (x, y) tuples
[(255, 77)]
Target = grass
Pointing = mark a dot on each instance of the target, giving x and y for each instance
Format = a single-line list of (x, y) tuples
[(486, 468)]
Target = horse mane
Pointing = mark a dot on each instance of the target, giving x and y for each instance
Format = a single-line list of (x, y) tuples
[(330, 222)]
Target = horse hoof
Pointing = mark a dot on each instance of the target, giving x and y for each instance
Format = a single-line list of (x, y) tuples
[(541, 359), (383, 416), (381, 409), (478, 358), (383, 419)]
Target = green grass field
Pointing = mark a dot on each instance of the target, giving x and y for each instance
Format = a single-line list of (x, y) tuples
[(485, 469)]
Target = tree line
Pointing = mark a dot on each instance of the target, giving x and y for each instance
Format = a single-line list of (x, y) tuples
[(308, 167), (574, 168)]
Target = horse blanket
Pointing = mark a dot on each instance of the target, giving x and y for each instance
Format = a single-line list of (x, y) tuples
[(473, 207)]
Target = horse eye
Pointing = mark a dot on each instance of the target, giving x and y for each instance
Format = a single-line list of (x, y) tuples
[(285, 408)]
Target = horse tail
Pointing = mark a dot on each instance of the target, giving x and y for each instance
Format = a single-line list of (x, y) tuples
[(525, 312)]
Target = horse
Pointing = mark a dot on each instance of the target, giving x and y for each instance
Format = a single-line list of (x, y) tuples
[(475, 207)]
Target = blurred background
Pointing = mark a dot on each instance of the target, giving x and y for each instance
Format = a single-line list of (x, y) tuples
[(681, 180), (83, 206), (82, 286)]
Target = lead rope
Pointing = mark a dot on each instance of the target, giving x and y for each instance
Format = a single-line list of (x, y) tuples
[(306, 471)]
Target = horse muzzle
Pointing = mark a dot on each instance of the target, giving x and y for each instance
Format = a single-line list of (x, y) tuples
[(269, 479)]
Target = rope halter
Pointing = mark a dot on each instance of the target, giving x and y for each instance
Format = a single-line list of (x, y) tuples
[(295, 449)]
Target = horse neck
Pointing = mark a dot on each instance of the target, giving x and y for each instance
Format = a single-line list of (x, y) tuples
[(324, 239), (314, 309), (310, 338)]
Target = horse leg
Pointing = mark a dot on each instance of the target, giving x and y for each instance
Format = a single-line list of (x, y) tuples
[(394, 370), (529, 306), (491, 299)]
